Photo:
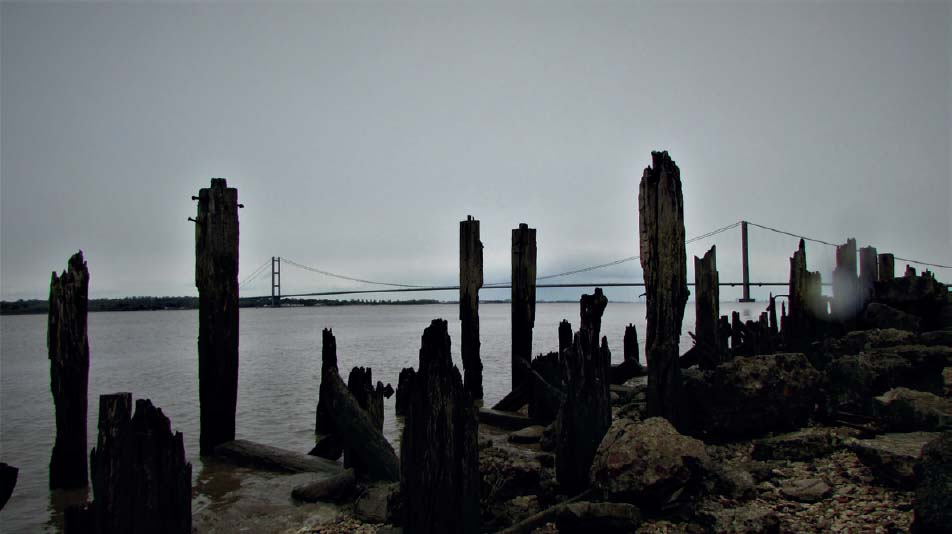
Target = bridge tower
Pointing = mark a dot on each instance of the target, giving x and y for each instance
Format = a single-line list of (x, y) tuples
[(745, 262), (275, 281)]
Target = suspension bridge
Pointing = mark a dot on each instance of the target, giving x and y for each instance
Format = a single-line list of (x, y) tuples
[(745, 283)]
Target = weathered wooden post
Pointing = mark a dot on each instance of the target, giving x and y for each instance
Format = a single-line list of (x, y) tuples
[(846, 296), (565, 335), (404, 384), (663, 260), (591, 308), (630, 345), (630, 366), (707, 309), (887, 267), (68, 348), (523, 299), (439, 458), (216, 276), (470, 280), (805, 302), (772, 310), (8, 481), (868, 274), (737, 334)]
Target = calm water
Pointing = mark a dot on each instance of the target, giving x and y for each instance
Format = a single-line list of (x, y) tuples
[(153, 355)]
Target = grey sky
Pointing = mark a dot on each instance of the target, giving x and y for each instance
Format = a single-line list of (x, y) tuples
[(359, 134)]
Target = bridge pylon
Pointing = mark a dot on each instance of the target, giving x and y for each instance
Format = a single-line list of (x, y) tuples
[(275, 281)]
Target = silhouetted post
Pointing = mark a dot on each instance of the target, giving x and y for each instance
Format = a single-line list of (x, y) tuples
[(805, 301), (404, 384), (772, 317), (846, 296), (663, 260), (591, 308), (910, 271), (630, 343), (565, 335), (868, 273), (216, 276), (737, 334), (707, 309), (887, 267), (68, 348), (470, 280), (8, 481), (745, 262), (439, 457), (360, 385), (523, 299)]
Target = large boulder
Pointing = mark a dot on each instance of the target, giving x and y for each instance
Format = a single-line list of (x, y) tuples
[(933, 497), (882, 316), (746, 519), (864, 340), (907, 410), (937, 338), (380, 503), (799, 446), (892, 457), (750, 396), (647, 463), (852, 381)]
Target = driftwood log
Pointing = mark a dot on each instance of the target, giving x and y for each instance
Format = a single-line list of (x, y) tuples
[(68, 347), (663, 260), (216, 276), (260, 456), (470, 280), (439, 458), (337, 488), (523, 299)]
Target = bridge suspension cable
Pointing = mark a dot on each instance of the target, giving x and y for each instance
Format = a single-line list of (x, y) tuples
[(345, 277), (253, 275)]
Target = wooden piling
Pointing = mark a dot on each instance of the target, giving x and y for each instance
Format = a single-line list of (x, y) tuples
[(68, 347), (360, 385), (663, 260), (805, 302), (565, 335), (868, 273), (887, 267), (439, 458), (470, 280), (216, 276), (523, 299), (591, 308), (404, 384), (707, 309), (846, 294)]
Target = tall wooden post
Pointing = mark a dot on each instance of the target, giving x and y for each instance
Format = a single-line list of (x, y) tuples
[(663, 260), (887, 267), (707, 309), (523, 299), (846, 296), (565, 335), (805, 302), (745, 262), (868, 273), (68, 348), (470, 280), (216, 276)]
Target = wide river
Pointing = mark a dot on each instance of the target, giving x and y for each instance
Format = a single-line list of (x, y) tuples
[(154, 355)]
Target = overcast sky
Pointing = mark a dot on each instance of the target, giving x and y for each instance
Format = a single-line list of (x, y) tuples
[(360, 134)]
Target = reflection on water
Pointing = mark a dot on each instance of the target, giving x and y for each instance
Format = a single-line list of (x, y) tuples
[(153, 355)]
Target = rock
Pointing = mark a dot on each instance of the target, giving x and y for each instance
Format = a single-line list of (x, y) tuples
[(507, 473), (598, 517), (646, 463), (853, 381), (882, 316), (907, 410), (934, 487), (750, 396), (937, 338), (892, 457), (748, 519), (909, 292), (947, 381), (380, 503), (549, 438), (8, 481), (511, 511), (335, 489), (802, 445), (864, 340), (806, 490), (731, 481), (529, 434)]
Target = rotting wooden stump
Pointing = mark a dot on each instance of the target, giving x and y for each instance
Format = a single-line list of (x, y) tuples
[(806, 304), (68, 347), (360, 385), (8, 481), (584, 416), (663, 260), (328, 443), (548, 391), (630, 366), (846, 293), (470, 280), (868, 273), (370, 452), (565, 335), (523, 299), (439, 458), (404, 384), (216, 276), (887, 267), (142, 483), (707, 309), (591, 308)]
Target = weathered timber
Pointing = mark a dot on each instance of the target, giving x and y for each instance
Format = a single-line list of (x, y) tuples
[(584, 416), (910, 271), (545, 378), (591, 308), (805, 302), (868, 274), (8, 481), (565, 335), (371, 453), (503, 419), (630, 366), (724, 334), (142, 483), (439, 458), (707, 309), (737, 334), (772, 310), (846, 293), (887, 267), (515, 399), (535, 521), (663, 260), (523, 298), (470, 280), (216, 276), (337, 488), (260, 456), (404, 383), (328, 445), (68, 347), (359, 383)]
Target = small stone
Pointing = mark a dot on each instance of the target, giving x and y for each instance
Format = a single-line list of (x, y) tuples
[(807, 490)]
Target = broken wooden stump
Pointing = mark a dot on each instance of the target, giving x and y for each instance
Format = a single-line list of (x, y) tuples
[(359, 383), (806, 305), (370, 452), (8, 481), (338, 488), (565, 335), (707, 309), (868, 274), (328, 443), (846, 294), (470, 280), (630, 366), (591, 308), (663, 260), (68, 347), (523, 298), (887, 267), (216, 276), (404, 383), (439, 458), (545, 379), (142, 483)]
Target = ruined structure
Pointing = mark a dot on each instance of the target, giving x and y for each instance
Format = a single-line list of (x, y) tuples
[(470, 280), (439, 459), (68, 348), (663, 260), (523, 299), (216, 276)]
